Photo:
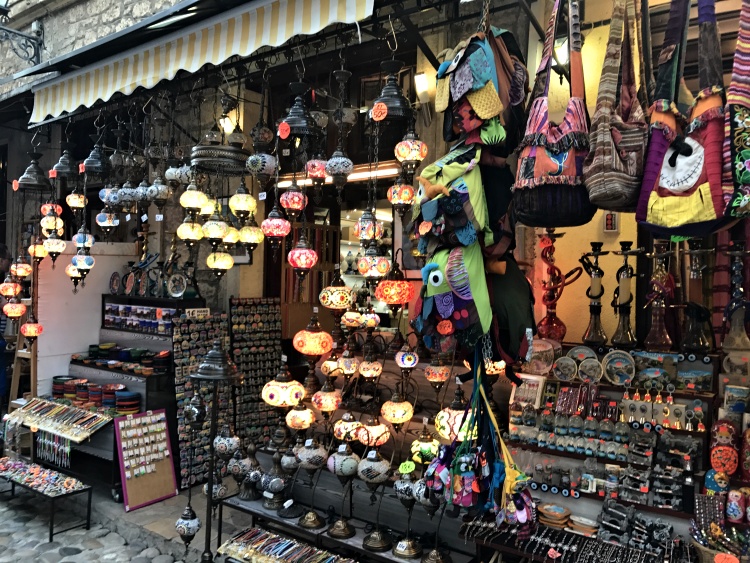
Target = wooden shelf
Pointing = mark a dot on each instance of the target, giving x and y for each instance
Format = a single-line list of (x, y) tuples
[(569, 455)]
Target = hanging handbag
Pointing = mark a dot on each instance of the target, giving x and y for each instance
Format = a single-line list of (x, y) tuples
[(613, 169), (549, 190), (682, 192), (737, 125)]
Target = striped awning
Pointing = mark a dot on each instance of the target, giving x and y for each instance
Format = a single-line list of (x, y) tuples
[(241, 31)]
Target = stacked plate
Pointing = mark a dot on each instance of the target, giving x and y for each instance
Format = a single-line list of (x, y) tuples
[(58, 385), (95, 394), (82, 392), (127, 402), (70, 388), (554, 516), (109, 390), (582, 526)]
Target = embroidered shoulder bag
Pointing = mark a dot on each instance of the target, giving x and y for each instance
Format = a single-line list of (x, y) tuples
[(549, 190), (613, 170)]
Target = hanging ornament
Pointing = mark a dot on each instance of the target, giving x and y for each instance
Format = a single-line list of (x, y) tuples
[(302, 257), (20, 268), (33, 177), (14, 309), (107, 220), (51, 221), (275, 227), (208, 208), (83, 262), (294, 201), (232, 237), (10, 288), (401, 195), (215, 229), (75, 276), (368, 227), (54, 246), (251, 235), (372, 265), (76, 201), (242, 204), (193, 200), (394, 290), (83, 239), (37, 251), (219, 262), (188, 525), (391, 105), (410, 152), (31, 329)]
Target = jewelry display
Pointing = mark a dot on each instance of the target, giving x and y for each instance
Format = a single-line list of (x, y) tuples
[(255, 543), (71, 423), (46, 481)]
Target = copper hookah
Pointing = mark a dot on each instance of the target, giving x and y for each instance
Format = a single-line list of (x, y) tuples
[(662, 290), (551, 326), (698, 337), (594, 335), (736, 338), (623, 337)]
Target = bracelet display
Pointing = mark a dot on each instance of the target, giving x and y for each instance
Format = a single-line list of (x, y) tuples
[(259, 545), (69, 422), (45, 481)]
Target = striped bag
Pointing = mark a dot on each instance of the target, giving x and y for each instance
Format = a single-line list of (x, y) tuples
[(549, 190), (737, 125), (613, 170), (682, 194)]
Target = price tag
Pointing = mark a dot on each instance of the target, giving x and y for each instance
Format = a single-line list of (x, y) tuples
[(159, 218), (458, 381), (601, 493), (613, 494), (643, 489), (53, 174), (342, 449), (308, 443), (379, 111), (402, 545), (288, 503), (15, 185), (336, 266), (283, 358), (315, 310), (262, 196), (196, 313), (144, 218), (81, 168), (425, 420), (267, 494), (284, 130), (149, 413), (127, 217)]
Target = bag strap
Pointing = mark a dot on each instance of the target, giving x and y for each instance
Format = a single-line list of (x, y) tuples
[(645, 51), (577, 88), (739, 87), (710, 72), (672, 53), (607, 95), (628, 90)]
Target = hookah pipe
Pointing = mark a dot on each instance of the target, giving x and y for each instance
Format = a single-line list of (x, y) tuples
[(662, 288), (623, 336), (551, 326), (594, 335), (696, 339), (736, 338)]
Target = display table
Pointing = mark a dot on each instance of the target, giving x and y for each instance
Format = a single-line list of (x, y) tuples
[(53, 499)]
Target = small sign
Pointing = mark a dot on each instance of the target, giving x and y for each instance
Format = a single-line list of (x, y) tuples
[(315, 310), (283, 358), (15, 185), (262, 196), (268, 494), (127, 217), (342, 449), (309, 443), (82, 168), (53, 174), (284, 130), (336, 266), (159, 217), (425, 420), (288, 503), (198, 312), (379, 111), (144, 218)]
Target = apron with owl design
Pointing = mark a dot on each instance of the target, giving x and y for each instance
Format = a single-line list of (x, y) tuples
[(682, 192), (737, 125)]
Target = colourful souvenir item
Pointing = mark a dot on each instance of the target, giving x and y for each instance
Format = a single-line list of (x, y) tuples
[(735, 506), (745, 456), (715, 482)]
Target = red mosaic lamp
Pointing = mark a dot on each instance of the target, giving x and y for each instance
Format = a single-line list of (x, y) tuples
[(394, 290), (336, 297), (14, 309), (37, 251), (410, 152), (293, 201), (312, 342), (401, 195), (373, 433), (20, 268), (275, 227), (31, 329), (10, 288), (302, 257)]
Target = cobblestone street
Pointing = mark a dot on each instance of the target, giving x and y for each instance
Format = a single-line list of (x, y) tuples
[(24, 535)]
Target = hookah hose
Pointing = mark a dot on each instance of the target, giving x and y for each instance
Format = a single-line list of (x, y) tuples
[(625, 268), (553, 289)]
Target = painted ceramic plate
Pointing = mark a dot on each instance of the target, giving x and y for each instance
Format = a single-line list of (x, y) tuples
[(129, 283), (590, 370), (114, 283), (554, 511), (619, 368), (580, 353), (176, 285), (565, 368)]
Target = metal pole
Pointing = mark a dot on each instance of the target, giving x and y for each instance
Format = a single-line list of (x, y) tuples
[(207, 556)]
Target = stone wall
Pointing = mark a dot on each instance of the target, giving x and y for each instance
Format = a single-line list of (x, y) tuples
[(70, 25)]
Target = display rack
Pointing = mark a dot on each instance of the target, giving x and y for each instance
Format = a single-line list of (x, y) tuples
[(255, 335)]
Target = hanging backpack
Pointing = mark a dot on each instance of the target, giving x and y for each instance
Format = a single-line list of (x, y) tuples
[(613, 170), (549, 190), (737, 125), (682, 192)]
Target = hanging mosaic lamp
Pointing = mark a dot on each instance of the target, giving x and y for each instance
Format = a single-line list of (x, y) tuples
[(448, 422), (398, 411), (312, 341), (208, 208), (64, 167), (83, 239), (299, 121), (398, 107), (75, 276), (283, 391), (261, 166), (76, 201), (372, 265), (336, 296), (237, 138), (193, 200), (54, 246), (37, 251), (232, 237), (425, 448), (14, 309), (373, 433), (31, 329), (159, 193), (368, 227), (402, 196), (226, 444), (316, 170), (327, 400), (242, 204), (51, 221), (394, 290), (275, 227), (187, 525), (219, 262), (339, 167), (83, 261), (407, 360), (20, 268), (410, 152), (10, 288), (190, 232), (215, 229), (345, 429), (302, 258), (251, 235), (107, 220), (293, 201), (300, 418)]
